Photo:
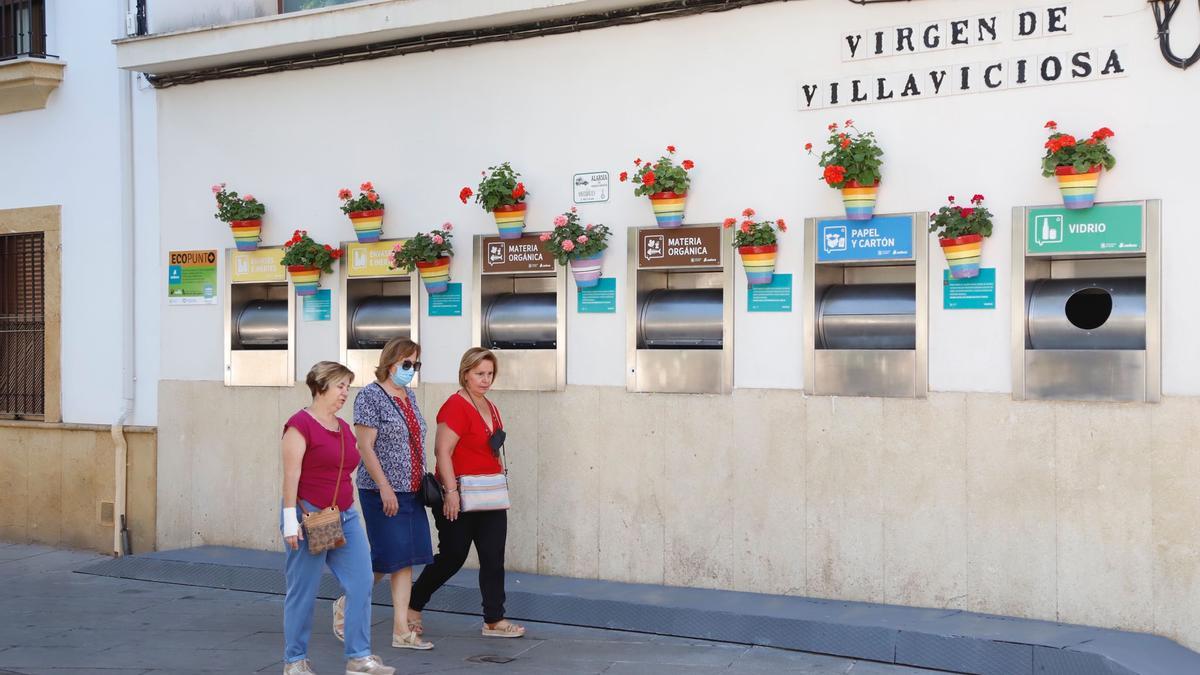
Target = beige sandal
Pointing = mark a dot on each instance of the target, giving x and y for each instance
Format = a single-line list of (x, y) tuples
[(410, 640), (416, 627), (504, 629)]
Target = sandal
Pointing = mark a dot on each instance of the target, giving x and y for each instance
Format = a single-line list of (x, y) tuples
[(339, 618), (416, 627), (410, 640), (503, 629)]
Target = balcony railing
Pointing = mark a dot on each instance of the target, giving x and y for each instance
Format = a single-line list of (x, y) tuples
[(22, 29)]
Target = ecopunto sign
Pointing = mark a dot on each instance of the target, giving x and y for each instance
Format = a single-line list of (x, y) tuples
[(963, 77)]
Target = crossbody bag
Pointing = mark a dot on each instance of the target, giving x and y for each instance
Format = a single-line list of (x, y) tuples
[(323, 529), (431, 490), (487, 492)]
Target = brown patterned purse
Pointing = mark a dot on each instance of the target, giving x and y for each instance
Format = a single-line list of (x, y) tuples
[(323, 529)]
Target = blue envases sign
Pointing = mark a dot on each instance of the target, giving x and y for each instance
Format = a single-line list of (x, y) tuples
[(880, 238)]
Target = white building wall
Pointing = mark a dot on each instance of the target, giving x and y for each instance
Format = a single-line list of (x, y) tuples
[(422, 126), (69, 153)]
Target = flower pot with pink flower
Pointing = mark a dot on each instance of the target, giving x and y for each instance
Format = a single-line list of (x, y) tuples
[(244, 215), (665, 183), (502, 195), (428, 253), (851, 164), (757, 244), (579, 246), (365, 212), (305, 260), (960, 232), (1077, 165)]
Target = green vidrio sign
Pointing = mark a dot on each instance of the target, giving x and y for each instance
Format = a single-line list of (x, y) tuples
[(1115, 228)]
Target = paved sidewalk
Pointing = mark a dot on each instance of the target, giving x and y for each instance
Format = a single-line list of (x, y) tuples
[(57, 621)]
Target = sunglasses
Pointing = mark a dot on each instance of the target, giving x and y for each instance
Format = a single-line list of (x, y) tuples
[(410, 365)]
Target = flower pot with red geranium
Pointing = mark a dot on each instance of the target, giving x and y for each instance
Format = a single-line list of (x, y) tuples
[(578, 245), (502, 195), (1077, 165), (365, 212), (960, 232), (305, 260), (756, 244), (244, 215), (851, 164), (665, 183), (430, 253)]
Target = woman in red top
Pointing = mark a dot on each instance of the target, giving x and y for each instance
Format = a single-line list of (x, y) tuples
[(319, 455), (466, 423)]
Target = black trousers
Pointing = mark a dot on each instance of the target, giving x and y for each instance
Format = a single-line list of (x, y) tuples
[(488, 530)]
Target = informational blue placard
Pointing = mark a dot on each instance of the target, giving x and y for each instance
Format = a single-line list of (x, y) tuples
[(448, 302), (974, 293), (318, 307), (880, 238), (773, 297), (600, 299)]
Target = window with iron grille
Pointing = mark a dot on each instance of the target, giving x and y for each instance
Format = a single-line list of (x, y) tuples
[(22, 325), (22, 28)]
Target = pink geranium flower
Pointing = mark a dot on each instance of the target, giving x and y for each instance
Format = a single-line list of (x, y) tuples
[(568, 245), (581, 239), (560, 220), (437, 239)]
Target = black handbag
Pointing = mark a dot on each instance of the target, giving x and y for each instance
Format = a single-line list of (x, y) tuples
[(431, 490)]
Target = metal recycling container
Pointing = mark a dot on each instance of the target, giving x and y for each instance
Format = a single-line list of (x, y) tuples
[(379, 318), (682, 318), (867, 316), (1097, 313), (521, 321), (263, 324)]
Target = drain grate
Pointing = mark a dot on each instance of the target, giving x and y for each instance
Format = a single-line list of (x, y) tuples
[(490, 659)]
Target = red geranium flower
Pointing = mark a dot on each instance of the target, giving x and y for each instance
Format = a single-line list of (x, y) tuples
[(950, 199), (967, 212), (849, 123), (366, 187), (671, 149), (648, 178), (977, 199), (637, 162), (623, 177), (808, 147), (845, 143), (1051, 125), (835, 174), (465, 194), (833, 126), (518, 191), (747, 226), (781, 225), (749, 213), (345, 193), (688, 165), (729, 223), (1102, 133), (328, 247)]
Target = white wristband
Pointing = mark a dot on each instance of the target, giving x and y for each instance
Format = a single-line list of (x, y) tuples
[(291, 526)]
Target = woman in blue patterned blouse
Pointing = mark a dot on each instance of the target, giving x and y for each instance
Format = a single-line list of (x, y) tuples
[(391, 440)]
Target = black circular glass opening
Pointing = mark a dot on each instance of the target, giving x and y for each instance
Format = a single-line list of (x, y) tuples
[(1089, 308)]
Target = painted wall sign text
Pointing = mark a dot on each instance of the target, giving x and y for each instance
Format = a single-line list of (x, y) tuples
[(1004, 72), (950, 33)]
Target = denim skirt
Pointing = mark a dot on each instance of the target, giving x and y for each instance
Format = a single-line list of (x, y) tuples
[(397, 541)]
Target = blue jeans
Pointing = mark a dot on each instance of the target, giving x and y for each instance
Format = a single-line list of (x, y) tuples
[(351, 565)]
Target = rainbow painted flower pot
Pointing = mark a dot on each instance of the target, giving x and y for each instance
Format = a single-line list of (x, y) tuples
[(859, 200), (963, 254), (246, 234), (1078, 187), (306, 279), (587, 270), (668, 208), (435, 275), (368, 225), (759, 262), (510, 220)]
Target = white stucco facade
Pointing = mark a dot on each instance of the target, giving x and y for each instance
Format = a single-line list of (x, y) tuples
[(421, 126), (70, 154)]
